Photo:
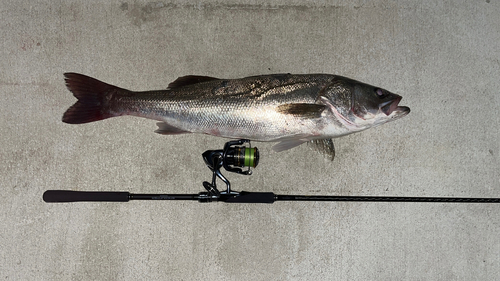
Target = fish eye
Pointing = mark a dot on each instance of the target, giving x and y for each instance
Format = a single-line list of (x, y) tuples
[(380, 93)]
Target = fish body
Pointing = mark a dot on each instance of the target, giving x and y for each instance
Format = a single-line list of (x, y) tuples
[(285, 108)]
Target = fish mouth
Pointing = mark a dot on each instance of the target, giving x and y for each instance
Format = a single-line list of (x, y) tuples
[(393, 107)]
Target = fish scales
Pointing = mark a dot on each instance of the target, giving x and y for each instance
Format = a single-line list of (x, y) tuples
[(237, 109)]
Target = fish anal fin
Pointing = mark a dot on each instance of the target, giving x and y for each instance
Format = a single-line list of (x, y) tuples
[(190, 80), (324, 146), (166, 129), (305, 110)]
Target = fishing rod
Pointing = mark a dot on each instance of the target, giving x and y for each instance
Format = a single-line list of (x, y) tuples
[(233, 158)]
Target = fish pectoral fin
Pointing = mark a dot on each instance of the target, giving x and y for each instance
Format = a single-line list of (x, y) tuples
[(324, 146), (305, 110), (166, 129), (189, 80)]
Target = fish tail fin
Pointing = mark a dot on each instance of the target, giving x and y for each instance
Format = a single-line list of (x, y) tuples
[(92, 99)]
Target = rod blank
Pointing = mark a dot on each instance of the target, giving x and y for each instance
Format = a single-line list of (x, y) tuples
[(385, 199)]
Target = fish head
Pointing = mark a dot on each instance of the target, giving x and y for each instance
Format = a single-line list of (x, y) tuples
[(373, 106), (360, 106)]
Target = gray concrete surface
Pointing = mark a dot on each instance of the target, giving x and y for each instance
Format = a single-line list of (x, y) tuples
[(441, 56)]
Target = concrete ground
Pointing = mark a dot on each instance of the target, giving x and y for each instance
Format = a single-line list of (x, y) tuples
[(441, 56)]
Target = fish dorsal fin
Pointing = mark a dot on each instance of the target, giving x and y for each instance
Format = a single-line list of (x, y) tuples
[(324, 146), (190, 80), (306, 110)]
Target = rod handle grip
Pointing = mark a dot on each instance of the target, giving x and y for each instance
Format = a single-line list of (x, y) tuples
[(62, 196)]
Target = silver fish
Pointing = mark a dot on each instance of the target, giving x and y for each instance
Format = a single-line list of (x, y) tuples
[(284, 108)]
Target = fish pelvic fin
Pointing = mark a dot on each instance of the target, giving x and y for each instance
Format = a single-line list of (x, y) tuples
[(291, 142), (92, 97), (324, 146)]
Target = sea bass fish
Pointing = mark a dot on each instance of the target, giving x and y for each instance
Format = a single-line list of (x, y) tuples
[(284, 108)]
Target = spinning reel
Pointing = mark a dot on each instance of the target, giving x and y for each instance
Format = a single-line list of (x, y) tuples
[(231, 157)]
